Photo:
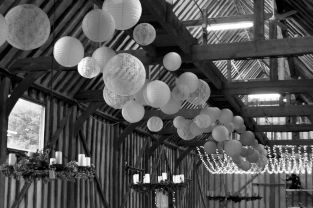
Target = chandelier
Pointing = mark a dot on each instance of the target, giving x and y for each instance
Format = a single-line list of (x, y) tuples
[(281, 159)]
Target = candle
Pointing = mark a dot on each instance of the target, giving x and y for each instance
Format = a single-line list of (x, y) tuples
[(164, 176), (146, 178), (81, 160), (87, 161), (53, 161), (182, 178), (160, 179), (136, 178), (12, 159), (174, 178), (58, 157)]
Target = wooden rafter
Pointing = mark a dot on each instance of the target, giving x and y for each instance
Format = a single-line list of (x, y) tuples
[(258, 19), (292, 142), (285, 128), (279, 111)]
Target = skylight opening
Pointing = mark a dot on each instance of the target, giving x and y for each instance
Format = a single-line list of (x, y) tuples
[(230, 26)]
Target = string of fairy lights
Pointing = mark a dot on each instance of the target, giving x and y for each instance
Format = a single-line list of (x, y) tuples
[(281, 159)]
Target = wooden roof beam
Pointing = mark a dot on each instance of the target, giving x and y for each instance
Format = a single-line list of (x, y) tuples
[(285, 128), (279, 111), (291, 142)]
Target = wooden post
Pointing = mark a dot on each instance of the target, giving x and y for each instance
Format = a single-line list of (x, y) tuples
[(273, 61), (4, 92), (258, 19)]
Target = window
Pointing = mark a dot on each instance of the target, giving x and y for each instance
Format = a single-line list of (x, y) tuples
[(26, 126)]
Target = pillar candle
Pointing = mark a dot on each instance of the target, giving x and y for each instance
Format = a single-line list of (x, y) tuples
[(182, 178), (146, 178), (58, 158), (87, 161), (12, 159), (81, 159), (160, 179), (136, 178), (52, 161), (164, 176)]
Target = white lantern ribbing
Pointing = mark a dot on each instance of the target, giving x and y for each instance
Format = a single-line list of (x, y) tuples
[(203, 121), (124, 74), (210, 147), (68, 51), (220, 133), (126, 13), (114, 100), (232, 148), (133, 112), (226, 116), (201, 95), (155, 124), (171, 107), (247, 138), (190, 80), (172, 61), (157, 93), (144, 34), (3, 31), (98, 25), (180, 92), (28, 25), (102, 56), (88, 68)]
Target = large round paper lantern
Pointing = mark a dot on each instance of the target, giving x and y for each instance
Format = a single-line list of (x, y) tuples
[(171, 107), (28, 25), (88, 68), (98, 25), (232, 148), (68, 51), (220, 133), (201, 95), (114, 100), (155, 124), (124, 74), (3, 31), (213, 112), (126, 13), (140, 95), (226, 116), (238, 122), (190, 80), (203, 121), (210, 147), (102, 56), (247, 138), (185, 134), (133, 112), (144, 34), (180, 92), (172, 61), (158, 93)]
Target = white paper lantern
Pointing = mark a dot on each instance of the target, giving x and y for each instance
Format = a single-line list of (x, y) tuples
[(179, 122), (144, 34), (88, 68), (190, 80), (68, 51), (220, 133), (139, 96), (238, 122), (203, 121), (157, 93), (247, 138), (28, 25), (171, 107), (124, 74), (194, 129), (245, 165), (210, 147), (172, 61), (3, 31), (226, 116), (180, 92), (114, 100), (155, 124), (244, 151), (209, 129), (230, 127), (133, 112), (126, 13), (102, 56), (253, 158), (213, 112), (201, 95), (241, 130), (98, 25), (232, 148), (185, 134)]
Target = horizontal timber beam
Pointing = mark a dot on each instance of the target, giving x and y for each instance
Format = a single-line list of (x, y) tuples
[(279, 111), (285, 128), (291, 142), (186, 113), (253, 49)]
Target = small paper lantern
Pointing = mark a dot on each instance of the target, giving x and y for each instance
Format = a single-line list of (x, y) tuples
[(247, 138), (226, 116), (88, 68), (28, 25), (144, 34), (157, 93), (3, 31), (180, 92), (201, 95), (220, 133), (114, 100), (210, 147), (253, 158), (102, 56), (98, 25), (194, 129), (185, 134), (244, 151), (172, 61), (140, 95), (245, 165), (238, 122), (126, 13), (209, 129), (232, 148), (124, 74), (133, 112), (171, 107), (68, 51), (213, 112), (155, 124), (179, 122), (202, 121), (230, 127), (241, 129), (190, 80)]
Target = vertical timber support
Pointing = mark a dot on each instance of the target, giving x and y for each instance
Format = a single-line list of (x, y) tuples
[(258, 19)]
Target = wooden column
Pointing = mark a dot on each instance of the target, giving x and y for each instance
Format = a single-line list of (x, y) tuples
[(258, 19), (273, 61), (4, 91)]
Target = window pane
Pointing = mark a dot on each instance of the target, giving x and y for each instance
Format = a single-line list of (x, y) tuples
[(26, 126)]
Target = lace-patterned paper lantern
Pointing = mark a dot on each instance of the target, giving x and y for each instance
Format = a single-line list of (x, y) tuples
[(144, 34), (126, 13), (3, 31), (201, 95), (155, 124), (172, 61), (124, 74), (114, 100), (98, 25), (102, 56), (133, 112), (88, 68), (28, 27)]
